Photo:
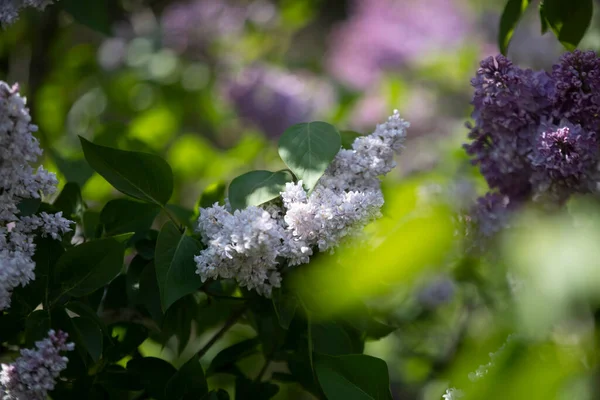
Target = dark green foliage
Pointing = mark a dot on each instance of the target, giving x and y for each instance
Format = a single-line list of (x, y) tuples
[(511, 15)]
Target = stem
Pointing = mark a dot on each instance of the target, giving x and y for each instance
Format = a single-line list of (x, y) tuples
[(228, 324), (173, 219), (264, 368)]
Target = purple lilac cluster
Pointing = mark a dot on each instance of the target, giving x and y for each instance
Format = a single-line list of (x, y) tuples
[(535, 136), (34, 374)]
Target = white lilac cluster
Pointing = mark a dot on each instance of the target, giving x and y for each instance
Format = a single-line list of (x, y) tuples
[(253, 244), (18, 181), (9, 9), (34, 374)]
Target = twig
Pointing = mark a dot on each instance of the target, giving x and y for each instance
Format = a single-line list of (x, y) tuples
[(228, 324), (268, 360)]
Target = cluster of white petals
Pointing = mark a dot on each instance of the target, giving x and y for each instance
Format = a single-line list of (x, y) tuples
[(34, 374), (453, 394), (252, 245), (18, 181), (9, 9)]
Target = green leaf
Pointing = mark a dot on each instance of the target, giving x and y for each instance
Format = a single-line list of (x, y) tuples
[(182, 214), (143, 176), (543, 21), (134, 271), (89, 266), (69, 200), (128, 336), (331, 338), (308, 149), (225, 360), (93, 14), (178, 320), (83, 310), (257, 187), (285, 305), (28, 207), (246, 389), (37, 326), (354, 376), (76, 171), (219, 394), (189, 382), (154, 373), (175, 266), (124, 215), (348, 138), (149, 294), (90, 335), (92, 229), (569, 20), (214, 193), (513, 11)]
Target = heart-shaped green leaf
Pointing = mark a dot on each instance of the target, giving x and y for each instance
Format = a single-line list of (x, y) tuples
[(308, 149)]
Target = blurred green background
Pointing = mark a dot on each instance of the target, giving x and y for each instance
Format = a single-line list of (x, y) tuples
[(211, 84)]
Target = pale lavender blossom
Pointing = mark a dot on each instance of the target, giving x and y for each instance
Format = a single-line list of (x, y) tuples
[(383, 34), (254, 244), (10, 9), (34, 374), (18, 181)]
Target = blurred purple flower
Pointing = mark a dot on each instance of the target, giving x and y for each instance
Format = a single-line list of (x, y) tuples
[(191, 26), (273, 100), (436, 293), (383, 34)]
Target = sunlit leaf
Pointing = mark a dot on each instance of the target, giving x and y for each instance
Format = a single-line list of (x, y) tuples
[(569, 20), (308, 149), (143, 176), (257, 187), (513, 11)]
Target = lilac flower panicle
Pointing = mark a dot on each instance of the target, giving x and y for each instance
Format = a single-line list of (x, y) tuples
[(564, 160), (577, 89), (18, 181), (34, 374), (535, 135), (9, 9), (254, 244)]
